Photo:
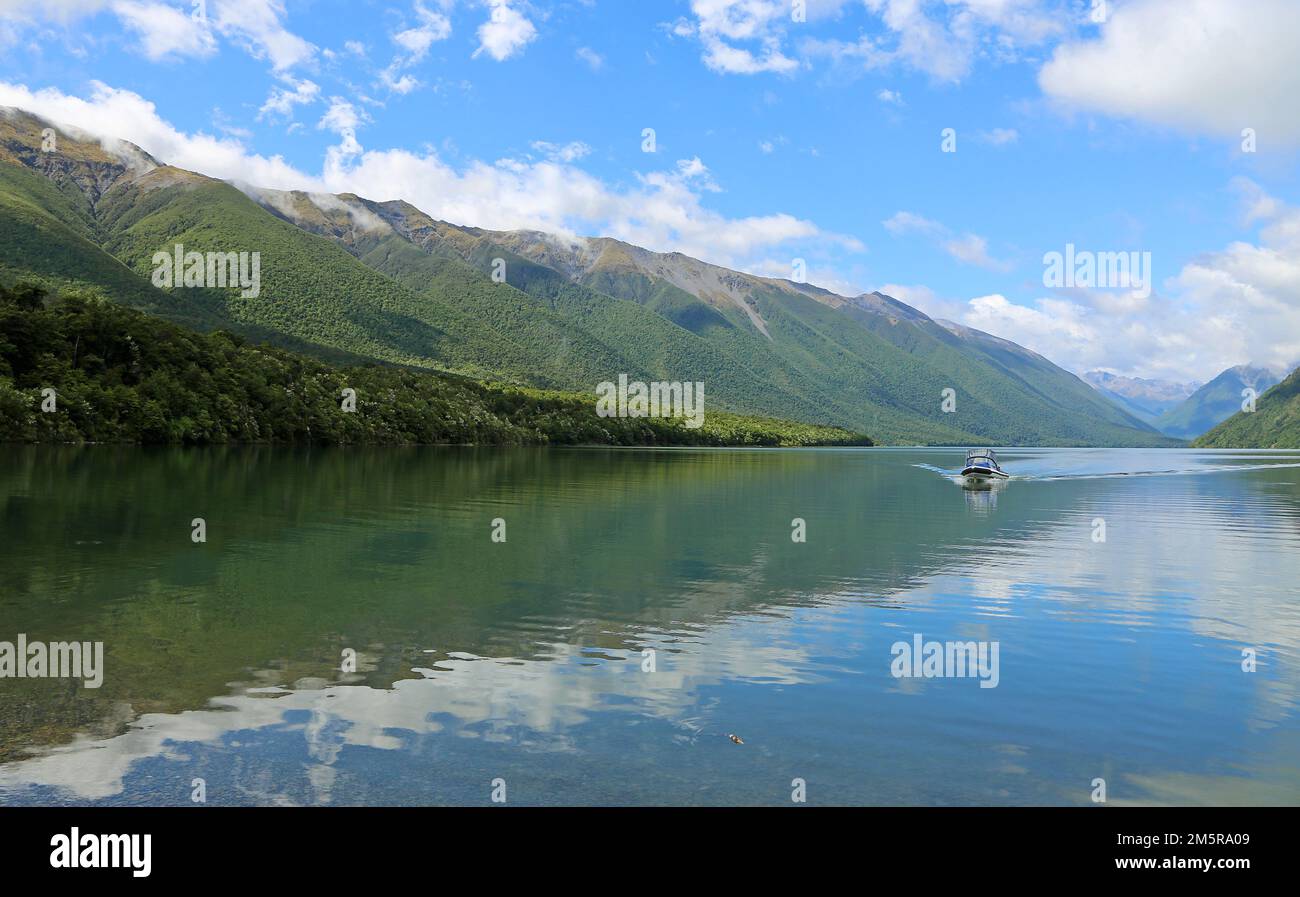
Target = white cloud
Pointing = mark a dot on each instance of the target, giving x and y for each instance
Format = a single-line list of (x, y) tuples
[(166, 31), (1256, 204), (399, 84), (662, 210), (1168, 337), (693, 169), (258, 25), (1073, 331), (60, 11), (1254, 287), (341, 116), (723, 57), (745, 20), (416, 41), (723, 25), (1067, 329), (281, 100), (892, 97), (943, 40), (568, 152), (999, 136), (973, 250), (433, 27), (506, 32), (121, 113), (683, 27), (739, 19), (1204, 66), (921, 42), (1237, 305), (593, 59), (910, 222), (343, 119), (968, 248)]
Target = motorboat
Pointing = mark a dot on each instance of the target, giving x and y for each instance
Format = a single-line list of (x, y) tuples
[(982, 469)]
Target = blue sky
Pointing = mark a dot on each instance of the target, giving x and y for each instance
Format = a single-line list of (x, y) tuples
[(1112, 126)]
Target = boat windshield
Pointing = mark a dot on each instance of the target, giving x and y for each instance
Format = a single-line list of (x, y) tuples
[(981, 455)]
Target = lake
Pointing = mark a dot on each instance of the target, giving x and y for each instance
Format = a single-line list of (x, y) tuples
[(351, 632)]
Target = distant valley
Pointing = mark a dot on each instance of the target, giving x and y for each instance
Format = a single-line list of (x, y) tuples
[(1144, 399)]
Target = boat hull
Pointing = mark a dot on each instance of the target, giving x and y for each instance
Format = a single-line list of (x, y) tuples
[(982, 477)]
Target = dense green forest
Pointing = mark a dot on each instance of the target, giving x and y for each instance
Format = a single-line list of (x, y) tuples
[(1275, 422), (878, 372), (118, 375)]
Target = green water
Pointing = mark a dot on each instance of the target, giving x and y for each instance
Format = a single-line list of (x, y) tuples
[(527, 660)]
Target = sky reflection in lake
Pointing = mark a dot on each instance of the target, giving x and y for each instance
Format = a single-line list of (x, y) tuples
[(524, 661)]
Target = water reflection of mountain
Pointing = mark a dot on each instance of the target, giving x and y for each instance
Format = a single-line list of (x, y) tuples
[(311, 552), (388, 552)]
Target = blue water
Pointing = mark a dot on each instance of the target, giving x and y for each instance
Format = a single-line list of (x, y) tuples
[(522, 662)]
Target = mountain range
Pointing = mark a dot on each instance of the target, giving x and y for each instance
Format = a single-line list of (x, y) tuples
[(1215, 402), (350, 279), (1184, 410), (1144, 399), (1274, 424)]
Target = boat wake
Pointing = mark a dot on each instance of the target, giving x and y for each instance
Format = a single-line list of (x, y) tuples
[(955, 476), (1171, 472)]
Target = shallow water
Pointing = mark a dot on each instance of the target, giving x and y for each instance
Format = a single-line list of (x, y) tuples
[(525, 661)]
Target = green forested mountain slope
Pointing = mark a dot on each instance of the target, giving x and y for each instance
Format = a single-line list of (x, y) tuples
[(871, 360), (1214, 402), (991, 371), (580, 337), (434, 258), (1275, 422), (346, 276), (118, 375), (48, 238), (52, 232), (311, 288)]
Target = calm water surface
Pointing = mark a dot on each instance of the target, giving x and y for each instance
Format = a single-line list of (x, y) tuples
[(1119, 659)]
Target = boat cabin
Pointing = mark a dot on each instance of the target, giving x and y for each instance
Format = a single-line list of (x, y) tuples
[(982, 458)]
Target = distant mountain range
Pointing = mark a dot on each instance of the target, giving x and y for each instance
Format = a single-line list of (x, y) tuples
[(1184, 410), (348, 278), (1144, 399)]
